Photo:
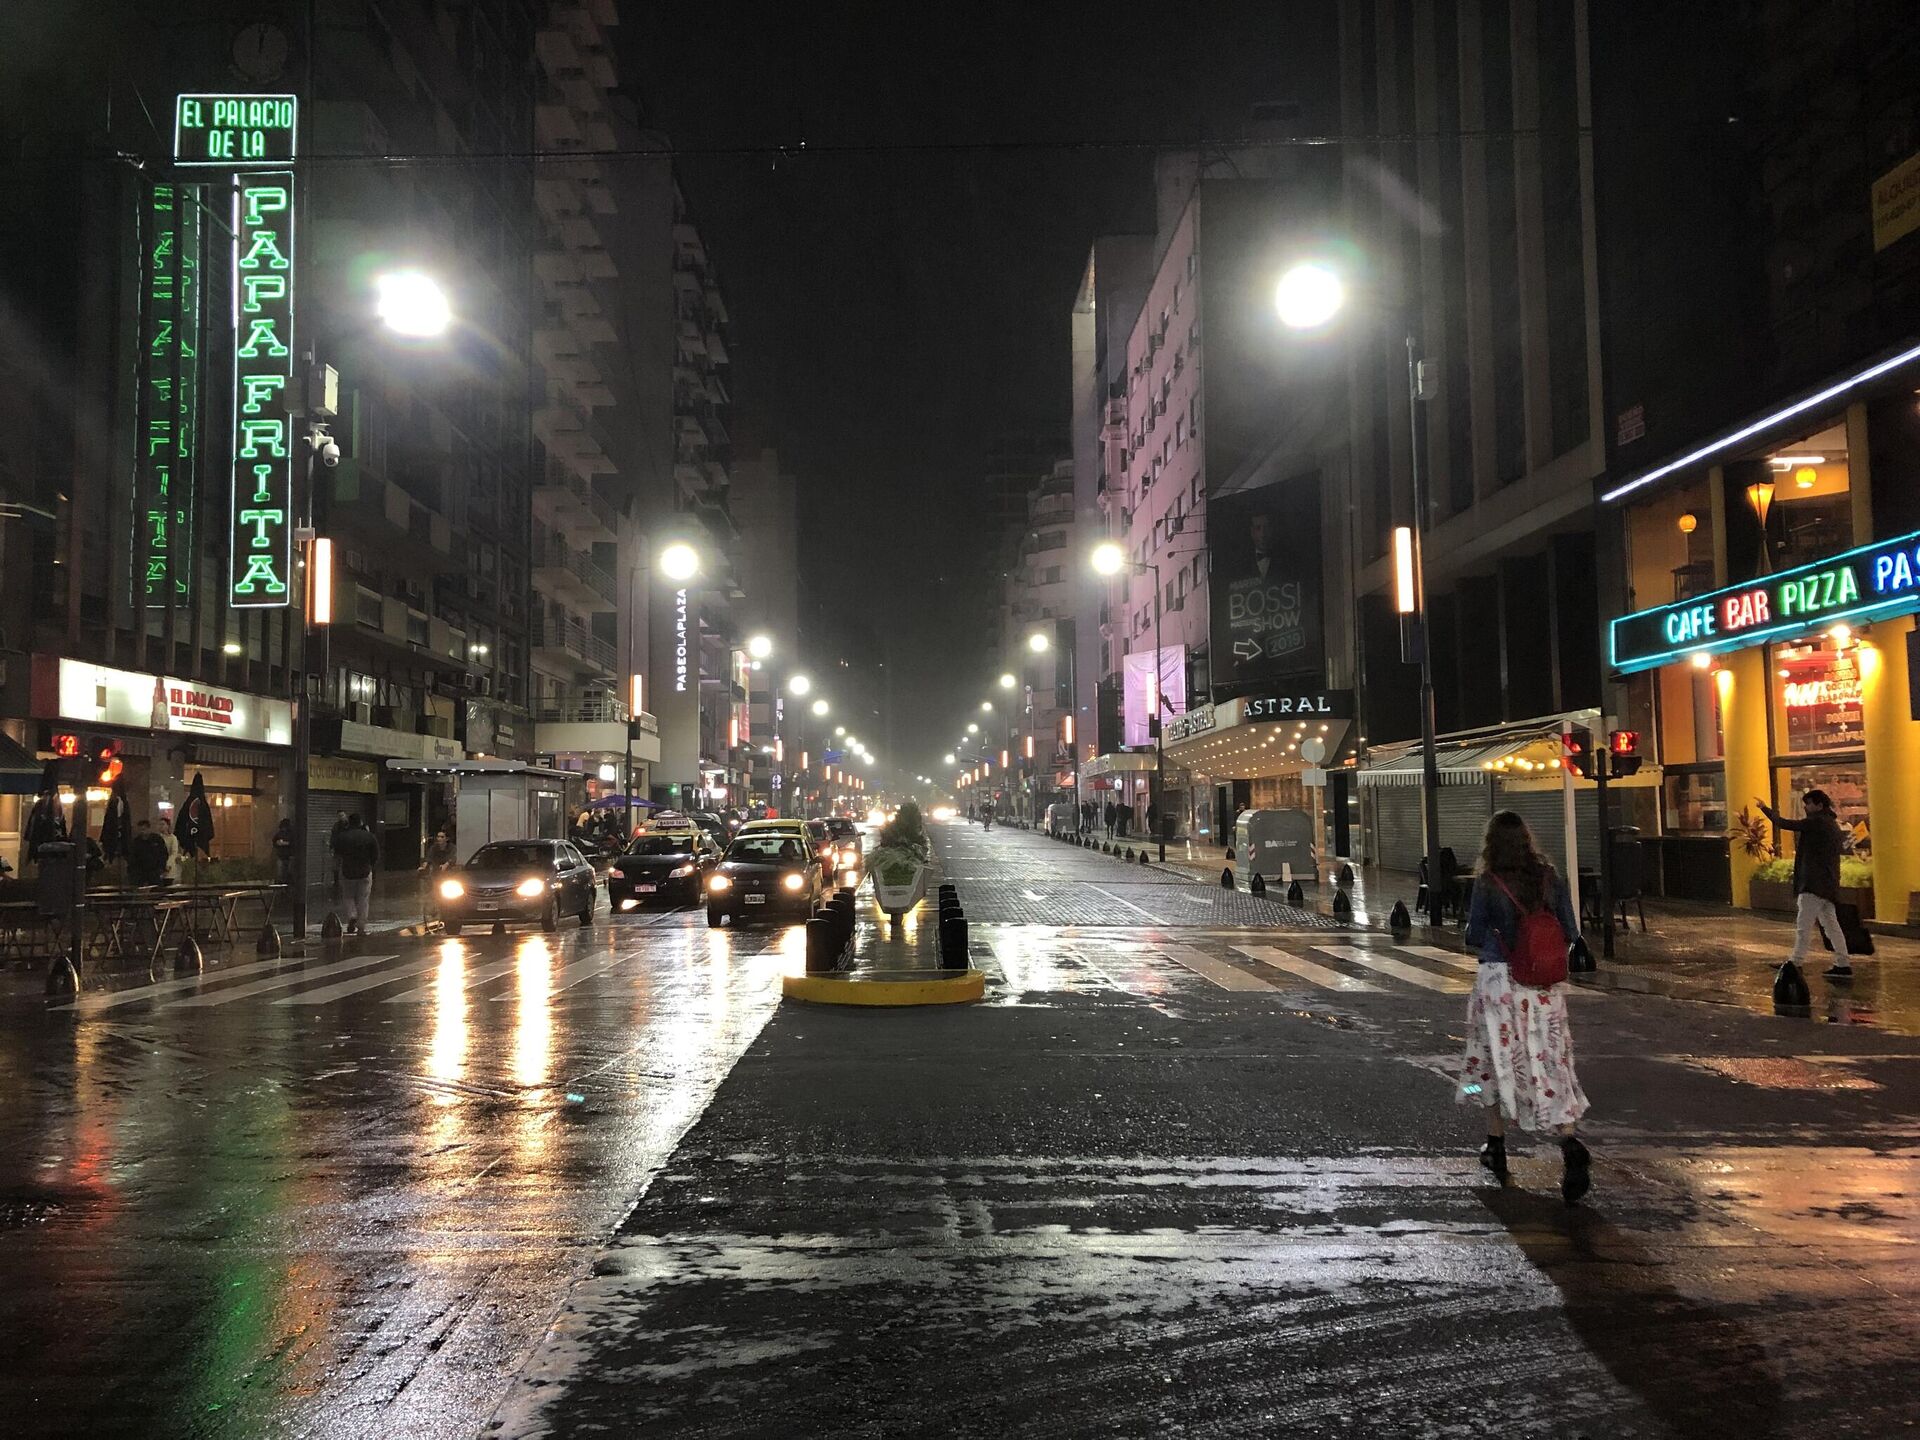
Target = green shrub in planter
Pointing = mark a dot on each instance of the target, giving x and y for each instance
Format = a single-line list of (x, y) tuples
[(906, 831), (894, 865), (1855, 873)]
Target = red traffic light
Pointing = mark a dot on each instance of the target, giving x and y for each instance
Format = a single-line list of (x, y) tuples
[(100, 756), (1623, 742)]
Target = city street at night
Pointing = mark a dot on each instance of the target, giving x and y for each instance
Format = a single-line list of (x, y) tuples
[(1181, 1171)]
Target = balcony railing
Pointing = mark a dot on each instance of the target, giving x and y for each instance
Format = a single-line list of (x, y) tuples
[(554, 632), (550, 552), (595, 708)]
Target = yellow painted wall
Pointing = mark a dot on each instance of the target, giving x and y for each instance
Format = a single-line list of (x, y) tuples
[(1893, 769), (1743, 707)]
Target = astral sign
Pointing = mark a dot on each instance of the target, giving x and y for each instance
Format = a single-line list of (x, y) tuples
[(235, 131), (1874, 580), (261, 539)]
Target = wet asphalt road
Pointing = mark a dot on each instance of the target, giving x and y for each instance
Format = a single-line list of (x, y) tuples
[(1180, 1173)]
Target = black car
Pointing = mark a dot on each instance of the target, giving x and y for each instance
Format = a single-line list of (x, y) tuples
[(662, 865), (767, 873), (519, 880)]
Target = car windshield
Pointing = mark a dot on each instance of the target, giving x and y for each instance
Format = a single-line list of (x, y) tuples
[(817, 829), (765, 849), (661, 845), (842, 829), (512, 855)]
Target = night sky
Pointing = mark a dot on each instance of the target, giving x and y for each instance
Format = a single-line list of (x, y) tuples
[(893, 311)]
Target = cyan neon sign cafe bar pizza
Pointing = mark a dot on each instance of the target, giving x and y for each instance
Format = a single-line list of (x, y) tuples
[(1870, 583)]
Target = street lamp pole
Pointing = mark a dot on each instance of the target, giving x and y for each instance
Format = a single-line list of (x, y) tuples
[(1417, 393), (1158, 804)]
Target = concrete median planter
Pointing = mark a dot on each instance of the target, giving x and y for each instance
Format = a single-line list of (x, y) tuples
[(897, 899)]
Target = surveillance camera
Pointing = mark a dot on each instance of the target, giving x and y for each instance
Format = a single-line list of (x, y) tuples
[(329, 454)]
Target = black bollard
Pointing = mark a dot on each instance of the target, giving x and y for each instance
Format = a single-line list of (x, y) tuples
[(1229, 852), (188, 960), (1399, 921), (267, 947), (1296, 897), (822, 944), (1226, 877), (62, 979), (1143, 857), (1255, 885), (953, 944), (331, 928), (1129, 855), (1342, 906), (1580, 957), (1790, 988), (1346, 875)]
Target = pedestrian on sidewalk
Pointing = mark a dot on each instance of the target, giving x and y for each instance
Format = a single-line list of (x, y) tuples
[(1816, 879), (1108, 819), (357, 851), (1518, 1064)]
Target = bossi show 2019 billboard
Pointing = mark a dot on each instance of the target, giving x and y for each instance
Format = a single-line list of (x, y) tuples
[(1265, 583)]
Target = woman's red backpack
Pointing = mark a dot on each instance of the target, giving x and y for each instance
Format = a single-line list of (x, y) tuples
[(1538, 957)]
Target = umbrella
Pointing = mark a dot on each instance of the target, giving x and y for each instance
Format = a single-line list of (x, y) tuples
[(116, 829), (45, 823), (194, 829)]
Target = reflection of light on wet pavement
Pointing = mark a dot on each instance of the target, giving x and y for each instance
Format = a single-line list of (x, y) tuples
[(533, 1013), (447, 1055)]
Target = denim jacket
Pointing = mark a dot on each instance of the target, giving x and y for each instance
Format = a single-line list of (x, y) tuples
[(1493, 923)]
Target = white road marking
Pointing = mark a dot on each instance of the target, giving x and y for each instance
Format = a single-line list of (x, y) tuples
[(1306, 970), (1156, 919), (276, 982), (1226, 976), (339, 989), (1452, 958), (91, 1001), (1399, 969), (478, 975), (580, 970), (1031, 895)]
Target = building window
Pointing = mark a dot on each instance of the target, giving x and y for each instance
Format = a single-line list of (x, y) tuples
[(1816, 691), (1695, 802)]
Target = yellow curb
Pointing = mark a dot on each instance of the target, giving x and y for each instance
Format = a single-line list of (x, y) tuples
[(965, 985)]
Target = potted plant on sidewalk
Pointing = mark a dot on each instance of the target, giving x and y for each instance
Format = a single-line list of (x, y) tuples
[(898, 862)]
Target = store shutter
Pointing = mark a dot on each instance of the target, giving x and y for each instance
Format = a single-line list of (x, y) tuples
[(1396, 826), (1463, 819), (1542, 811)]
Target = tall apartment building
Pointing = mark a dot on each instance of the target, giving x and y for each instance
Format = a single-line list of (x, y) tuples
[(134, 620), (1764, 443), (1478, 239), (766, 505)]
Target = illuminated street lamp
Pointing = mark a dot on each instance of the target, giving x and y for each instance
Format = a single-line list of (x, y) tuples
[(412, 304), (819, 707), (679, 561), (972, 729), (759, 647), (1109, 558), (799, 685), (1309, 296), (1007, 682), (1038, 643)]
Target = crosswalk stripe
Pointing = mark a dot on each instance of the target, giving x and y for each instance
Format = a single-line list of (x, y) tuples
[(580, 970), (326, 994), (1306, 970), (1226, 976), (1399, 969), (432, 989), (275, 982), (91, 1001), (1451, 958)]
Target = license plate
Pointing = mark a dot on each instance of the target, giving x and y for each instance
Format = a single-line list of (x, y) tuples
[(486, 905), (645, 889), (754, 899)]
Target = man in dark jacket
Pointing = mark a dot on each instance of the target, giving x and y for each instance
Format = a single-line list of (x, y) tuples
[(357, 850), (1816, 879)]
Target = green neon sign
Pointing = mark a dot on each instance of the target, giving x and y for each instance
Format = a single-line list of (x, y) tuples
[(234, 131), (261, 535), (170, 395)]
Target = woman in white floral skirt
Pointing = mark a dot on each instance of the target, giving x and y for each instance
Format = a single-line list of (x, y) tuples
[(1518, 1064)]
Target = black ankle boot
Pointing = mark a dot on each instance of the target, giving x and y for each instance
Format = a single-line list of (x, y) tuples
[(1493, 1156), (1578, 1176)]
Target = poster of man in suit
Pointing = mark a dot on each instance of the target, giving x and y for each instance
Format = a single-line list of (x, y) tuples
[(1265, 582)]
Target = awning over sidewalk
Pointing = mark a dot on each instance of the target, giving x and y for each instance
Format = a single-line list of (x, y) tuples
[(20, 773), (1468, 758), (1118, 762)]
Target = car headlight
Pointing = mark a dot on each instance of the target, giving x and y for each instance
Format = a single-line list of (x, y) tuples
[(719, 882), (849, 857), (795, 882), (530, 887), (451, 889), (680, 872)]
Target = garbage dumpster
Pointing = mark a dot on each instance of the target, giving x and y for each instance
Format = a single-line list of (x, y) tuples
[(1273, 843)]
